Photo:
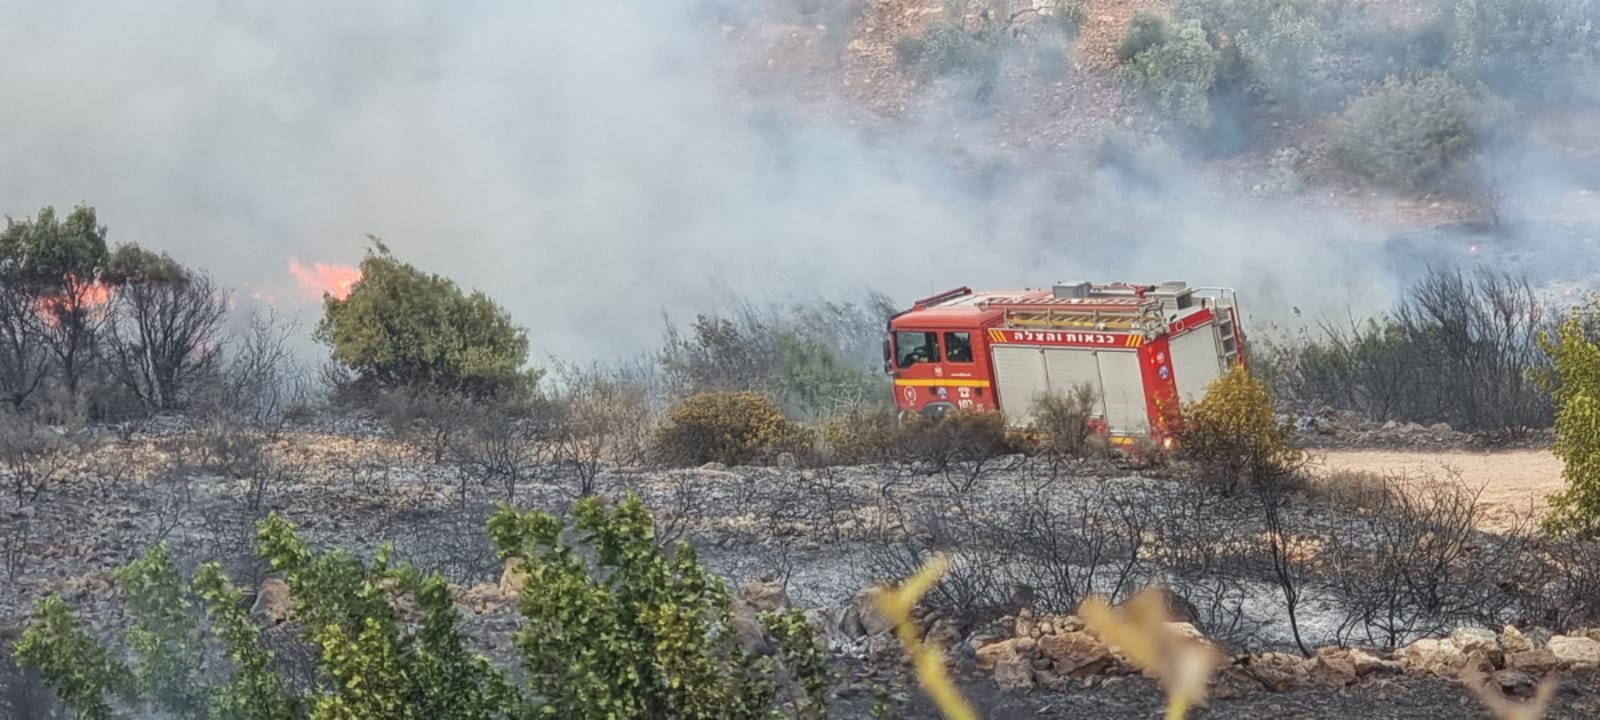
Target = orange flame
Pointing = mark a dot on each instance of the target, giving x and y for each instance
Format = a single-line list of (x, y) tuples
[(325, 279), (79, 297)]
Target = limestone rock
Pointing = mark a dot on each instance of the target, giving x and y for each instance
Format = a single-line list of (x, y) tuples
[(865, 605), (1075, 654), (1577, 652), (763, 595), (1534, 661), (1513, 641), (1280, 671), (272, 601), (513, 578), (1433, 655), (1333, 667)]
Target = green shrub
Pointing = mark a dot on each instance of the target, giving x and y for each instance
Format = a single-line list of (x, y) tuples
[(732, 428), (1539, 48), (1278, 41), (948, 48), (1174, 76), (1061, 421), (1234, 434), (400, 326), (1575, 383), (1145, 31), (639, 632), (1407, 130)]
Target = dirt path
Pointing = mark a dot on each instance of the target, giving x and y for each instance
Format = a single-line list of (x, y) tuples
[(1513, 481)]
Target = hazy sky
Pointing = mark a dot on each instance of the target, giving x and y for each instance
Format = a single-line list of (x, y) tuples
[(587, 164)]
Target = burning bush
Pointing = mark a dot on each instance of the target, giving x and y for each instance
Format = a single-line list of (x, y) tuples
[(733, 428), (1407, 131), (400, 326), (1235, 435)]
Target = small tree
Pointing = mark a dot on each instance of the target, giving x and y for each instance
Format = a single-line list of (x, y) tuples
[(58, 262), (167, 326), (401, 326), (1575, 383)]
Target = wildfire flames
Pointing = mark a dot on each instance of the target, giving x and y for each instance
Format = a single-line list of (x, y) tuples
[(82, 297), (325, 279)]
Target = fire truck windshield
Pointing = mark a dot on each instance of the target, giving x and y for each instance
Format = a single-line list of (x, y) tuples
[(916, 347)]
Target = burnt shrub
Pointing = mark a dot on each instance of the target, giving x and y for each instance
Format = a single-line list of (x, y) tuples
[(733, 428), (860, 434), (1234, 435), (956, 446), (1061, 423), (1460, 349)]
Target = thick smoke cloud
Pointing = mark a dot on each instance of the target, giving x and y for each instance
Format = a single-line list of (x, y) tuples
[(588, 164)]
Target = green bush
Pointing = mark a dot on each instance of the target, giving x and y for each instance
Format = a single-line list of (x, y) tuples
[(1406, 131), (948, 48), (1145, 31), (1279, 42), (1540, 48), (400, 326), (1175, 75), (1575, 383), (640, 631), (1234, 434), (733, 428)]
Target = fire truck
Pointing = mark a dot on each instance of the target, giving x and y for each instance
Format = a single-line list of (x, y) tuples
[(1142, 349)]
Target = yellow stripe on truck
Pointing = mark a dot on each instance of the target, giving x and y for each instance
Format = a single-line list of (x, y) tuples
[(942, 383)]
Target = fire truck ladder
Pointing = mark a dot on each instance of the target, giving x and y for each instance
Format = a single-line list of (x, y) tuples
[(1222, 300), (1122, 314)]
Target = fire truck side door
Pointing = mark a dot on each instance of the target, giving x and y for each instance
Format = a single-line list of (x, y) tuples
[(1019, 376), (1127, 409)]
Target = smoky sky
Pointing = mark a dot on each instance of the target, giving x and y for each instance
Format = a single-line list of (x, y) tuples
[(589, 165)]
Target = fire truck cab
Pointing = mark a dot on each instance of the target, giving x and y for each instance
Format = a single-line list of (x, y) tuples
[(1142, 349)]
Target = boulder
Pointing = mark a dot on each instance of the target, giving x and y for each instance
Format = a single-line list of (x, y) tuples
[(1534, 661), (1513, 641), (1480, 644), (1075, 654), (865, 608), (1433, 655), (1013, 673), (763, 595), (1366, 663), (1279, 671), (1575, 652), (513, 578), (747, 629), (1515, 683), (992, 655), (1333, 669), (272, 601)]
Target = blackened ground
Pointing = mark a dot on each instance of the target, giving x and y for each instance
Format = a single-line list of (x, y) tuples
[(1141, 699)]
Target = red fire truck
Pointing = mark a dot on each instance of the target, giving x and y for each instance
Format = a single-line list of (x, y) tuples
[(1143, 349)]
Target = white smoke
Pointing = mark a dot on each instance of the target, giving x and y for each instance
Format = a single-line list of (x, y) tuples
[(587, 164)]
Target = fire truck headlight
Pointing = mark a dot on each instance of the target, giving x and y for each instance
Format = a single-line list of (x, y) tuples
[(1166, 444)]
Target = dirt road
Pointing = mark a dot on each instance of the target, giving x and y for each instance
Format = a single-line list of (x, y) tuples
[(1513, 481)]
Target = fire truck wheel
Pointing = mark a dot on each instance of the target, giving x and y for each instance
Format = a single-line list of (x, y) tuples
[(935, 411)]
